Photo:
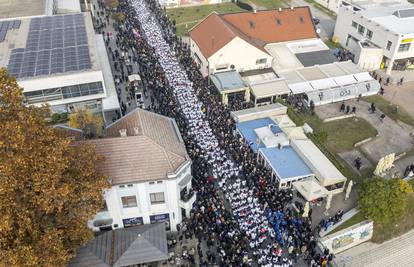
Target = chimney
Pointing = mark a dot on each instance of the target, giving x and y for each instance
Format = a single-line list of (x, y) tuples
[(280, 9), (123, 132), (254, 11), (291, 8), (136, 131)]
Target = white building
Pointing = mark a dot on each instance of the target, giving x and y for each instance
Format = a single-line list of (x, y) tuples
[(150, 172), (335, 5), (59, 60), (237, 40), (380, 37)]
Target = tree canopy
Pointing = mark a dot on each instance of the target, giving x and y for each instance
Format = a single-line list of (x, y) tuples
[(384, 200), (49, 187), (91, 124)]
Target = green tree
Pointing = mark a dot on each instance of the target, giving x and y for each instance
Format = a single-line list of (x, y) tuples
[(49, 187), (384, 200)]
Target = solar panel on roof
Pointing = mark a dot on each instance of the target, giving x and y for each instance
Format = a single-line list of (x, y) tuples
[(54, 44)]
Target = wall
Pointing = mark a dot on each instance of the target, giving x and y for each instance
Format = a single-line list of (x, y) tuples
[(231, 55), (348, 238), (368, 59), (144, 208), (195, 50)]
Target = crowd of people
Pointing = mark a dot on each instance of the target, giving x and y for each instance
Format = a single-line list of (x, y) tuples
[(240, 217)]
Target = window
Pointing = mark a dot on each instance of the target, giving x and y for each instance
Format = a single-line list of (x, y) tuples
[(151, 183), (389, 44), (129, 201), (369, 34), (157, 198), (122, 186), (301, 19), (159, 182), (354, 24), (361, 29), (130, 185), (404, 47), (261, 61)]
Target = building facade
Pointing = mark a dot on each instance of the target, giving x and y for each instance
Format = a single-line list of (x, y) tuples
[(150, 173), (379, 37), (218, 42)]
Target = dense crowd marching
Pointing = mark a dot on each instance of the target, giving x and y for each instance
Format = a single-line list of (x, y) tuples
[(240, 216)]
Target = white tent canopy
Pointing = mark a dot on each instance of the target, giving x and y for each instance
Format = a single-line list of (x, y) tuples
[(302, 87), (310, 189), (323, 84), (363, 77), (345, 80), (271, 88), (134, 77)]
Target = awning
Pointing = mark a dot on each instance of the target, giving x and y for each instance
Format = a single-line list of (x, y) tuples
[(310, 189)]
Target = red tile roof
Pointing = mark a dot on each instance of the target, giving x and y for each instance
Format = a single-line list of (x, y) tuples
[(259, 29)]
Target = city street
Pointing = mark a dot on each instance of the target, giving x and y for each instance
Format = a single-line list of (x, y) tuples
[(326, 24)]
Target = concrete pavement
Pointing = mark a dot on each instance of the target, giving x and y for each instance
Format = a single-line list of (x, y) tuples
[(397, 252)]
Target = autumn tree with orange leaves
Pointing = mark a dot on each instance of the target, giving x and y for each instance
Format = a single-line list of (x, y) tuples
[(49, 187)]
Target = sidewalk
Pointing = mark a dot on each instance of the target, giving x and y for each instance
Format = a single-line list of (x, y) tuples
[(398, 252)]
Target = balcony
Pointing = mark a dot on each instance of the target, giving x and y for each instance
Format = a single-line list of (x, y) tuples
[(187, 198)]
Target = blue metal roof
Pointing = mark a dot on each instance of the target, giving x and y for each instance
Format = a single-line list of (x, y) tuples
[(247, 130), (227, 80), (286, 162)]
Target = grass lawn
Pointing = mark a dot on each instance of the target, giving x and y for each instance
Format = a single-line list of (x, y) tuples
[(336, 140), (192, 15), (322, 8), (357, 218), (269, 4), (382, 233), (389, 109), (354, 131)]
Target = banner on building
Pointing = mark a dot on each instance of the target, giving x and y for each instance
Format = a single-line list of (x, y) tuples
[(348, 238), (161, 218), (133, 221)]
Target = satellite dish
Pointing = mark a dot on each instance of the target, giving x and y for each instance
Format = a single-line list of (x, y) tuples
[(318, 31)]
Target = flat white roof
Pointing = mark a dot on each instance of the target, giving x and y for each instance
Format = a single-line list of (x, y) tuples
[(323, 168), (269, 139), (397, 18), (24, 8), (68, 6)]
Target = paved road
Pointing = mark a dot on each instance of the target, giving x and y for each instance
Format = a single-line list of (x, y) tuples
[(327, 23), (397, 252)]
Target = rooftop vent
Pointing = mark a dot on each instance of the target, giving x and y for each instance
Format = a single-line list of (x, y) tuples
[(251, 24), (301, 19), (280, 9), (136, 131), (291, 8), (123, 132), (279, 22)]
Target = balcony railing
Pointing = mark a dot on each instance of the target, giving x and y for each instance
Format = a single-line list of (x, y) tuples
[(186, 195)]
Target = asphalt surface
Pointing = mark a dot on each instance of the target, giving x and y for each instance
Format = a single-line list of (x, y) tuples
[(326, 24)]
